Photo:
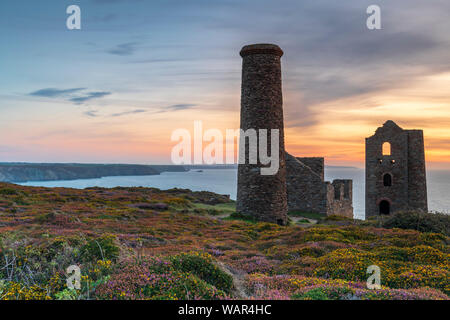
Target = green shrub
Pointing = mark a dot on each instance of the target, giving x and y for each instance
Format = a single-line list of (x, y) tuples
[(337, 218), (46, 217), (101, 248), (8, 191), (186, 286), (420, 221), (155, 278), (241, 216), (313, 294), (67, 294), (310, 215), (202, 265)]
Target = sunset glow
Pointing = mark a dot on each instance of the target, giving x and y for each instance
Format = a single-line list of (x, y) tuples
[(115, 91)]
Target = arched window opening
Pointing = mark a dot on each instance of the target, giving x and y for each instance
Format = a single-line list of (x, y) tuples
[(385, 207), (387, 180), (386, 149)]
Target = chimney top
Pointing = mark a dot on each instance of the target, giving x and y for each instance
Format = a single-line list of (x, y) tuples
[(261, 48)]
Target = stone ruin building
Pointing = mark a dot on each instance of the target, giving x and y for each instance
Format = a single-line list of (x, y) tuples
[(395, 171), (308, 191), (299, 183)]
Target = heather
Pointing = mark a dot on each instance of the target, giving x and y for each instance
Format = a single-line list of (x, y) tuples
[(309, 288), (144, 243)]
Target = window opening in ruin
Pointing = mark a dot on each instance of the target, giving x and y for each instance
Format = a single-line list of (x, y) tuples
[(387, 180), (386, 149), (337, 193)]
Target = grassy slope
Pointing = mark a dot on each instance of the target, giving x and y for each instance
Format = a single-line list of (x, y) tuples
[(48, 229)]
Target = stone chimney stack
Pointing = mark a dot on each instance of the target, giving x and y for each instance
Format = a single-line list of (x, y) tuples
[(262, 196)]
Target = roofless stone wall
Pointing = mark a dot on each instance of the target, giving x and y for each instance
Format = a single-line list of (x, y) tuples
[(395, 171), (308, 192), (340, 198), (317, 164)]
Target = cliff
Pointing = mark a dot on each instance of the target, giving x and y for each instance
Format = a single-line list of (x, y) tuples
[(23, 172)]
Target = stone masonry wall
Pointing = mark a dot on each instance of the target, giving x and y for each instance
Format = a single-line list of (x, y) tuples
[(308, 192), (262, 196), (340, 195), (417, 180), (306, 189), (317, 165), (406, 166)]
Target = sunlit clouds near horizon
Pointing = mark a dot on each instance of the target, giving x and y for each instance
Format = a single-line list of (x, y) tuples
[(114, 91)]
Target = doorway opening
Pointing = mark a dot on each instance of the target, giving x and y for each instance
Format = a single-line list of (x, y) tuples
[(385, 207)]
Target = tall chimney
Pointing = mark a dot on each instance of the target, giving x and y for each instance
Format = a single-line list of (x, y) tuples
[(262, 196)]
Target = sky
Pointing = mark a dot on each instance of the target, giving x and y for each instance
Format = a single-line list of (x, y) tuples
[(114, 91)]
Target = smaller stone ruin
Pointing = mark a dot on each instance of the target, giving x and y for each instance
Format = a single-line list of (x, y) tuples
[(307, 190)]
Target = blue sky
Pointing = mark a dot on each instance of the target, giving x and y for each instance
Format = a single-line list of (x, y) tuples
[(113, 91)]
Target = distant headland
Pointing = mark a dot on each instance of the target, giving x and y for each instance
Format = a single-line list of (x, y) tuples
[(24, 172)]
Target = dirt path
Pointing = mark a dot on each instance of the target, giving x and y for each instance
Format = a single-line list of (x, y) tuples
[(239, 291), (295, 220), (221, 216)]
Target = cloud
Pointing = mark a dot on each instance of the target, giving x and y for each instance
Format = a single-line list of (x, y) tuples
[(75, 95), (124, 49), (178, 107), (119, 114), (175, 107), (161, 60), (54, 93), (92, 113), (89, 96)]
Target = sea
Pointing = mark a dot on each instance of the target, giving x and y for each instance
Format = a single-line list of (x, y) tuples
[(224, 181)]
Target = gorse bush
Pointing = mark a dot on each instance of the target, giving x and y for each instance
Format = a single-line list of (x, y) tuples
[(201, 264), (181, 202), (37, 271), (19, 291), (400, 267), (104, 247), (420, 221)]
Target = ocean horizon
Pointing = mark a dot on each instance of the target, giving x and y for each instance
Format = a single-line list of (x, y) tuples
[(224, 181)]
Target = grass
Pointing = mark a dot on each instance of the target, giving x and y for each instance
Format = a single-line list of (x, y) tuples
[(241, 217), (310, 215), (215, 210)]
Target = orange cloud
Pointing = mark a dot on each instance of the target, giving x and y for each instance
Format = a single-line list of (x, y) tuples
[(343, 124)]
